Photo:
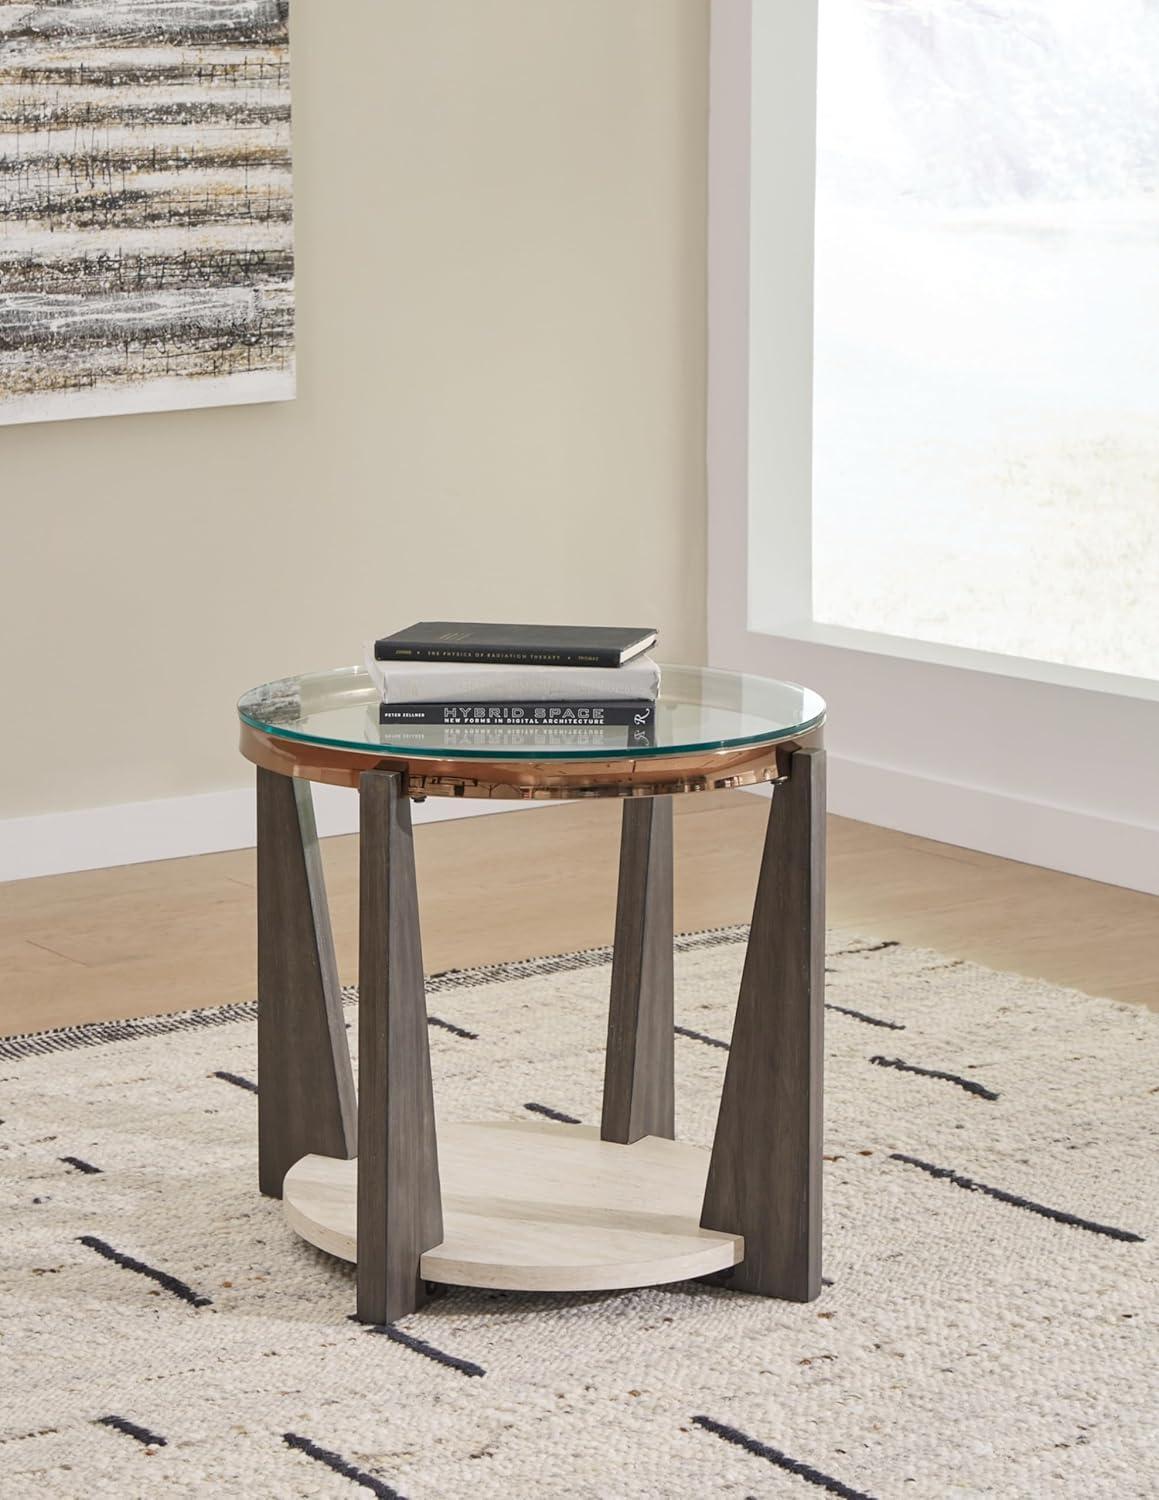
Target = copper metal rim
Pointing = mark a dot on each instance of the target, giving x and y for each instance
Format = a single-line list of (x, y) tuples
[(532, 780)]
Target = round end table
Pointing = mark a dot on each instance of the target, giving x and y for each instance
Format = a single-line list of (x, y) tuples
[(539, 1205)]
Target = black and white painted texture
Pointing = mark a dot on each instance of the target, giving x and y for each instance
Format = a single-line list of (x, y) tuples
[(146, 250)]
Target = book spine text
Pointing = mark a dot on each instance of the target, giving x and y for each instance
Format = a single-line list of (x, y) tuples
[(512, 656), (630, 713)]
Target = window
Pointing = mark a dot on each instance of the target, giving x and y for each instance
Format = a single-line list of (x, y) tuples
[(934, 496), (986, 358)]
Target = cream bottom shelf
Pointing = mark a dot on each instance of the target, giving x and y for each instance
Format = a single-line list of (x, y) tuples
[(539, 1207)]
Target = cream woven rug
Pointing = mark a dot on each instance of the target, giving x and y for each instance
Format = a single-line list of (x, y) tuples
[(990, 1219)]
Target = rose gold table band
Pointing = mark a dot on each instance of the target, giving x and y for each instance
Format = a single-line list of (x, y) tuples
[(532, 780)]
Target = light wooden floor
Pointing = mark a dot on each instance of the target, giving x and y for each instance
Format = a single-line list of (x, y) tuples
[(179, 933)]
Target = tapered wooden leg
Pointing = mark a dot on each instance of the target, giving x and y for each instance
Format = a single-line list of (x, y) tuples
[(764, 1180), (400, 1214), (639, 1093), (306, 1087)]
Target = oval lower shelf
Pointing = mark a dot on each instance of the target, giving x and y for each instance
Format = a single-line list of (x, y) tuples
[(539, 1207)]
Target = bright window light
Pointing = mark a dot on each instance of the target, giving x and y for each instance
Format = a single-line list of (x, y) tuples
[(986, 369)]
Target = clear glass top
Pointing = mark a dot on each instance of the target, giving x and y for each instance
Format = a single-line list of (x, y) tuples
[(699, 709)]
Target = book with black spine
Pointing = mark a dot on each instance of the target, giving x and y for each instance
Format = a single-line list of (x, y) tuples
[(506, 737), (520, 645), (634, 714)]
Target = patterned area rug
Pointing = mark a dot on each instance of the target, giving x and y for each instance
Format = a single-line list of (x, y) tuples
[(990, 1218)]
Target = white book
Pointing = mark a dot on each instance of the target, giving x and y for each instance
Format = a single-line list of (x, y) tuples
[(473, 682)]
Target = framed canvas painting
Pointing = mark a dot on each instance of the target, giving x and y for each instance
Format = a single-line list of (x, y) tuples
[(146, 210)]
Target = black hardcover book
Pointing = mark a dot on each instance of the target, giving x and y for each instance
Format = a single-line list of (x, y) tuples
[(636, 714), (517, 645)]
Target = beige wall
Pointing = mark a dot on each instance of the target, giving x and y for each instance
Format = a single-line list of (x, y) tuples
[(500, 221)]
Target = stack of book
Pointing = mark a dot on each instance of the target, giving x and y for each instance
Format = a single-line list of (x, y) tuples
[(500, 685)]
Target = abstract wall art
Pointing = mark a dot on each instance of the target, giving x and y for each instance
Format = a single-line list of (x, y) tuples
[(146, 211)]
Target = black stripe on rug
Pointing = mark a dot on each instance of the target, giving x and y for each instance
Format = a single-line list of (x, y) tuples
[(859, 1015), (782, 1460), (162, 1278), (871, 948), (130, 1429), (946, 1174), (420, 1346), (236, 1078), (340, 1465), (552, 1114), (470, 1036), (969, 1084), (81, 1165), (700, 1036)]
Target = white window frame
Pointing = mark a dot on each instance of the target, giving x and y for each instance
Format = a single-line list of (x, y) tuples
[(1049, 764)]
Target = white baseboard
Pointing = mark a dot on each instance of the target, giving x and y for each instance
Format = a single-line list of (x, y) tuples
[(1068, 839), (130, 833), (1036, 833)]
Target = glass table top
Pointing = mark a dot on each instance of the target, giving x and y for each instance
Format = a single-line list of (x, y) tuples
[(699, 708)]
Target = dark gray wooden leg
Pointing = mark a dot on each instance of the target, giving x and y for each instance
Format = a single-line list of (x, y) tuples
[(764, 1180), (639, 1093), (400, 1211), (305, 1084)]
